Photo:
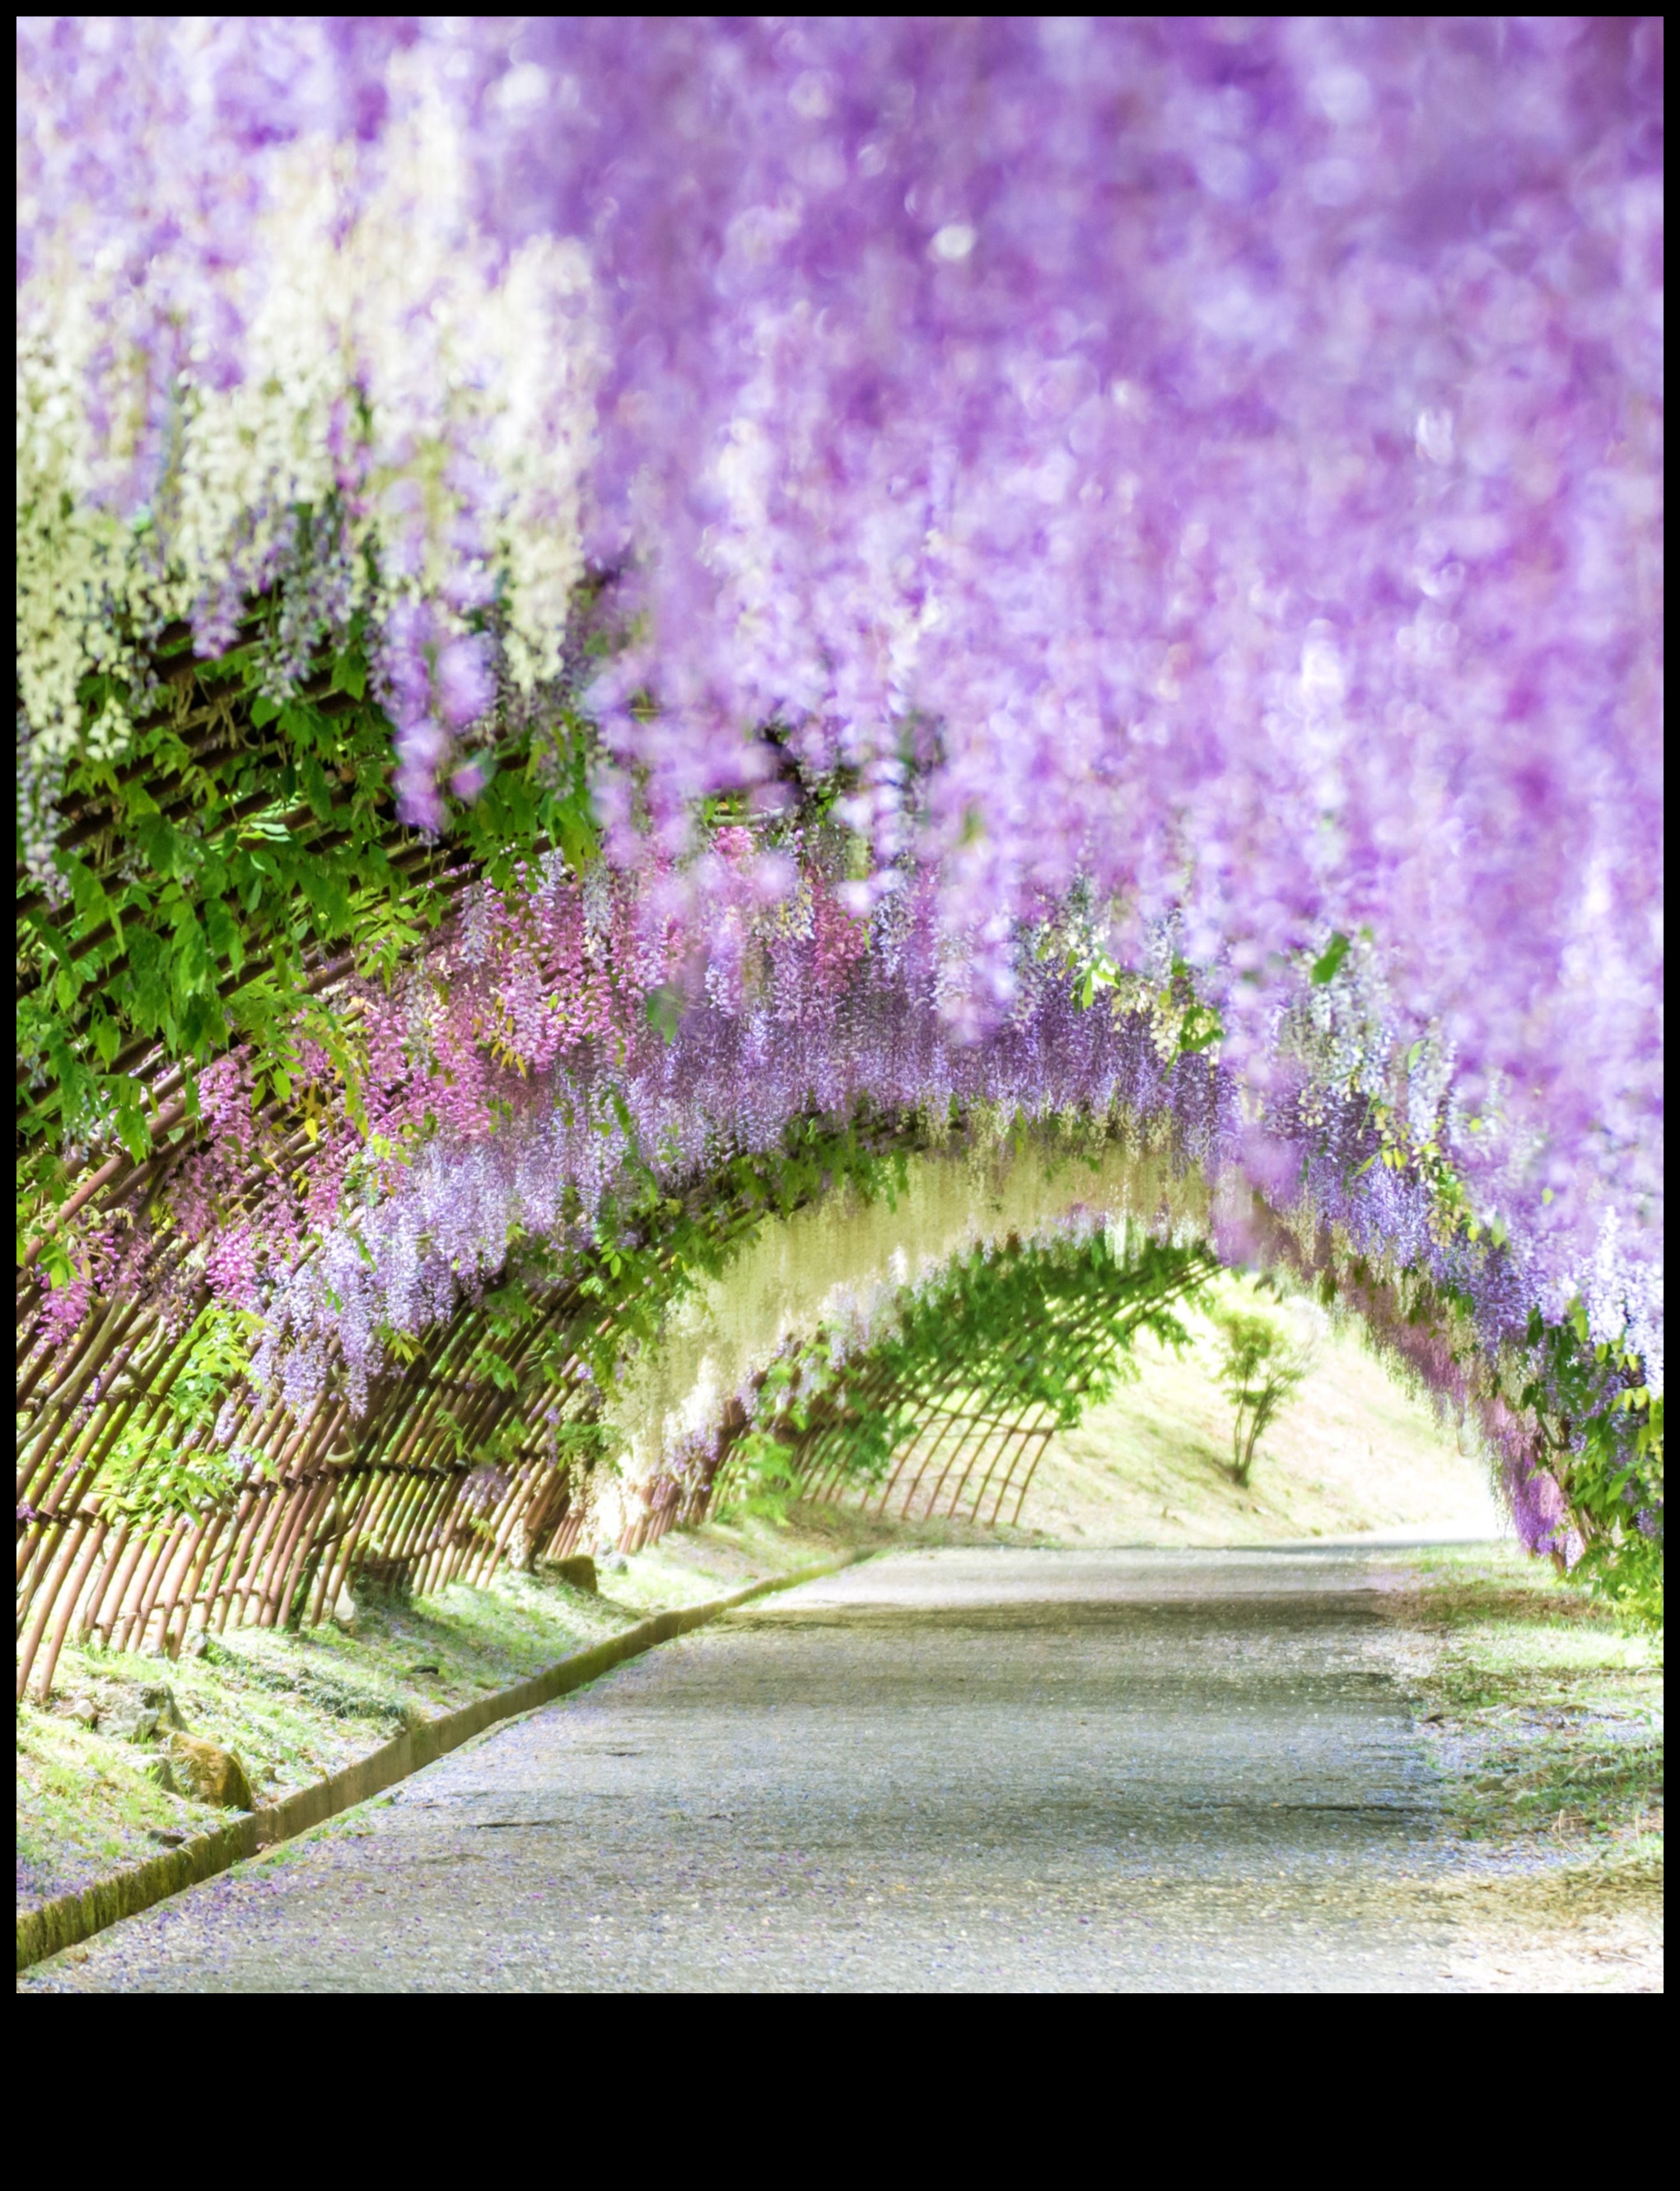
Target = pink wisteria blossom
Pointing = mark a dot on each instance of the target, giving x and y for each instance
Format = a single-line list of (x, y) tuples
[(1204, 474)]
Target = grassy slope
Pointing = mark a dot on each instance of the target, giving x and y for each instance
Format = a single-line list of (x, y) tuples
[(1543, 1709), (295, 1708), (1353, 1453), (1543, 1713)]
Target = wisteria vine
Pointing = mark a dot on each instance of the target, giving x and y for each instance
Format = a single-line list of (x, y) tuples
[(1108, 568)]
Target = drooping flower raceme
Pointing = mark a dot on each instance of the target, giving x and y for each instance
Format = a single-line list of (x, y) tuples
[(1214, 465), (256, 349)]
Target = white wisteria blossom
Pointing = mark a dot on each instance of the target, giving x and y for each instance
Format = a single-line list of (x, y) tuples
[(404, 413)]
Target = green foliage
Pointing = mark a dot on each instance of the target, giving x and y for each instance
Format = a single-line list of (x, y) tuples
[(1050, 1322), (762, 1478), (1262, 1370), (1584, 1410), (1041, 1325), (1184, 1023), (1325, 967), (164, 1461), (217, 1365), (1601, 1437), (242, 850)]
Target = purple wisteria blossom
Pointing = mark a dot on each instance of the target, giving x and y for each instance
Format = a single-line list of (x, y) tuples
[(1204, 471)]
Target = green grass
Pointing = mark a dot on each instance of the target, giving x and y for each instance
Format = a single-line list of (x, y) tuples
[(1354, 1453), (1544, 1710)]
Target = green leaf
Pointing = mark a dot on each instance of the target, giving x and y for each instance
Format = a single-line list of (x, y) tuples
[(191, 969), (263, 710), (576, 833), (226, 939), (663, 1009), (86, 890), (148, 999), (203, 1023), (350, 674), (1324, 969), (131, 1122), (160, 843), (1577, 1315), (1202, 1027), (313, 778)]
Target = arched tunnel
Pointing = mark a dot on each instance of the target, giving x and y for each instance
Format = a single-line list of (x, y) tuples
[(914, 1348), (747, 749)]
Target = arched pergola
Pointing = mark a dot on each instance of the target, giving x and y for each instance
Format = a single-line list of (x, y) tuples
[(582, 690), (478, 1447)]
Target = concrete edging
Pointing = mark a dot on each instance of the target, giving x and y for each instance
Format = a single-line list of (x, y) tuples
[(69, 1918)]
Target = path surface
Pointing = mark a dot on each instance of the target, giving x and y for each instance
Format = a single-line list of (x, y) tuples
[(982, 1770)]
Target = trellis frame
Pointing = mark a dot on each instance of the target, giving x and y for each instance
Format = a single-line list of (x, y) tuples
[(449, 1471)]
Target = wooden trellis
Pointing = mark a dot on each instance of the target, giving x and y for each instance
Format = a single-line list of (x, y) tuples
[(453, 1466), (325, 1505), (401, 1496), (332, 1503), (972, 1442)]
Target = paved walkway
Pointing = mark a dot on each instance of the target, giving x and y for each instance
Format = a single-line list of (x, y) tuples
[(988, 1770)]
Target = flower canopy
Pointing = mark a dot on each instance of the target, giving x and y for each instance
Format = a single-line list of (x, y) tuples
[(1027, 565)]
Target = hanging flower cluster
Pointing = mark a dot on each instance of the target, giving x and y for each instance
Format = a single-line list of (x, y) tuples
[(263, 341), (1190, 491), (567, 1060), (1225, 453)]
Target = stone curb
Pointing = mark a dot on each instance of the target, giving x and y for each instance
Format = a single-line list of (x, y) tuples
[(69, 1918)]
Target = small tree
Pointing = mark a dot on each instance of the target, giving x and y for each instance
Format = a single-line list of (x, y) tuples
[(1262, 1371)]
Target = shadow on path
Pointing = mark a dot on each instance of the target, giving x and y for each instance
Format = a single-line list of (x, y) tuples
[(981, 1770)]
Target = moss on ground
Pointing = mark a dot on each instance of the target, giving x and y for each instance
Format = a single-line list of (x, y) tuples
[(1543, 1709)]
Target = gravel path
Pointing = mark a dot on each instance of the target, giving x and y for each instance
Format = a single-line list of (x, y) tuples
[(976, 1770)]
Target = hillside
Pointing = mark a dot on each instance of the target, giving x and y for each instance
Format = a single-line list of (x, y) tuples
[(1353, 1453)]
